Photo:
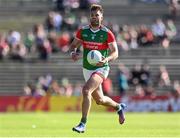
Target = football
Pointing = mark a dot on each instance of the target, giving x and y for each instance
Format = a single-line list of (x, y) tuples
[(93, 57)]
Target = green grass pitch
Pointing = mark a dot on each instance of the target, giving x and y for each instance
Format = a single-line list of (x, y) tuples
[(152, 125)]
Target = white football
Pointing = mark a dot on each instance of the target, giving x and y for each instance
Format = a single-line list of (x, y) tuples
[(94, 56)]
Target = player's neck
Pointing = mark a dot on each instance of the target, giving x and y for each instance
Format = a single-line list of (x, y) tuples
[(95, 28)]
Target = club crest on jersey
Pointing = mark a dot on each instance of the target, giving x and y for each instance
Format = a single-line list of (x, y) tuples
[(93, 36), (101, 37)]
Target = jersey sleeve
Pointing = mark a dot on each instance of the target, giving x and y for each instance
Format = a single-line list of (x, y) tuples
[(78, 34), (111, 37)]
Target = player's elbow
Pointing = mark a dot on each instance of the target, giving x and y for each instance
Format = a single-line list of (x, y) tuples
[(115, 56)]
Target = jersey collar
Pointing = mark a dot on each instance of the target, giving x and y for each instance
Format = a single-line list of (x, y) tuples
[(94, 31)]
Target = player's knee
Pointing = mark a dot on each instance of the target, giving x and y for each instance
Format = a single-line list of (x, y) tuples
[(100, 101), (85, 91)]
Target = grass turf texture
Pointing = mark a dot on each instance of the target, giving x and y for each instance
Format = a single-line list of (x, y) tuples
[(99, 125)]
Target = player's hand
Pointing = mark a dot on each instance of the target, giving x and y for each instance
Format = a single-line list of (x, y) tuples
[(102, 62), (74, 56)]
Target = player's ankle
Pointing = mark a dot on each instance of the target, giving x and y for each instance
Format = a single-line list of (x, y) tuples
[(119, 108), (83, 120)]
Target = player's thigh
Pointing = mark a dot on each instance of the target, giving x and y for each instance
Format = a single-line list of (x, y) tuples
[(92, 84)]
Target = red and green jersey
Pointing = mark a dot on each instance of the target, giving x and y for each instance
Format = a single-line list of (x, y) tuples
[(94, 40)]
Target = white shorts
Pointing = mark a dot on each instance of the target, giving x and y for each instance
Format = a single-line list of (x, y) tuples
[(103, 71)]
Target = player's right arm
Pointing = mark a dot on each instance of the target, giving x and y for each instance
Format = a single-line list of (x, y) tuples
[(74, 45), (73, 49)]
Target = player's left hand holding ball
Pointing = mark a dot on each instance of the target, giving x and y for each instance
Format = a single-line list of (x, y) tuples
[(102, 62)]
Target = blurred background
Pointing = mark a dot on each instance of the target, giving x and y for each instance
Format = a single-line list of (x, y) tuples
[(37, 73)]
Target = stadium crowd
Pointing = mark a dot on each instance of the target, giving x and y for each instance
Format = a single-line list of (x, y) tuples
[(57, 31), (136, 81)]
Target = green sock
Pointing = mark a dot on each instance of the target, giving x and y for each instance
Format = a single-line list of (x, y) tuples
[(84, 120)]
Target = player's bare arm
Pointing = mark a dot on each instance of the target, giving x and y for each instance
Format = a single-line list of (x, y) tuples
[(73, 47), (112, 55)]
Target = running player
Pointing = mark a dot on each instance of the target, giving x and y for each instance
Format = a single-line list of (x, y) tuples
[(95, 36)]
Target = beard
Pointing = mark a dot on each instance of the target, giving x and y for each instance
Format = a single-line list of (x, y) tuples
[(95, 23)]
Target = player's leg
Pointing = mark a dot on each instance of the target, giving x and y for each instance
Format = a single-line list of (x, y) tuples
[(100, 99), (91, 85)]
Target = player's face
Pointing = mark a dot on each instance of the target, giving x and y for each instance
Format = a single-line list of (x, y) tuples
[(96, 18)]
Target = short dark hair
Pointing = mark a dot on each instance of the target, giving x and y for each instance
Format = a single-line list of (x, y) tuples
[(95, 7)]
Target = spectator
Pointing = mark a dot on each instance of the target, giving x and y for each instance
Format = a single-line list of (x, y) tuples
[(123, 76), (139, 91), (70, 21), (135, 75), (176, 88), (13, 38), (71, 4), (158, 29), (123, 38), (29, 41), (46, 82), (133, 37), (145, 36), (170, 33), (66, 88), (160, 33), (174, 100), (63, 41), (49, 22), (163, 77), (171, 30), (77, 89), (149, 91), (174, 7), (30, 89), (145, 79), (4, 47), (39, 87), (58, 20), (42, 43), (53, 21), (107, 87), (83, 20), (53, 38), (54, 88), (18, 52)]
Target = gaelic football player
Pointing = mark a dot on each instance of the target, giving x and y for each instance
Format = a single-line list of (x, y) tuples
[(95, 36)]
